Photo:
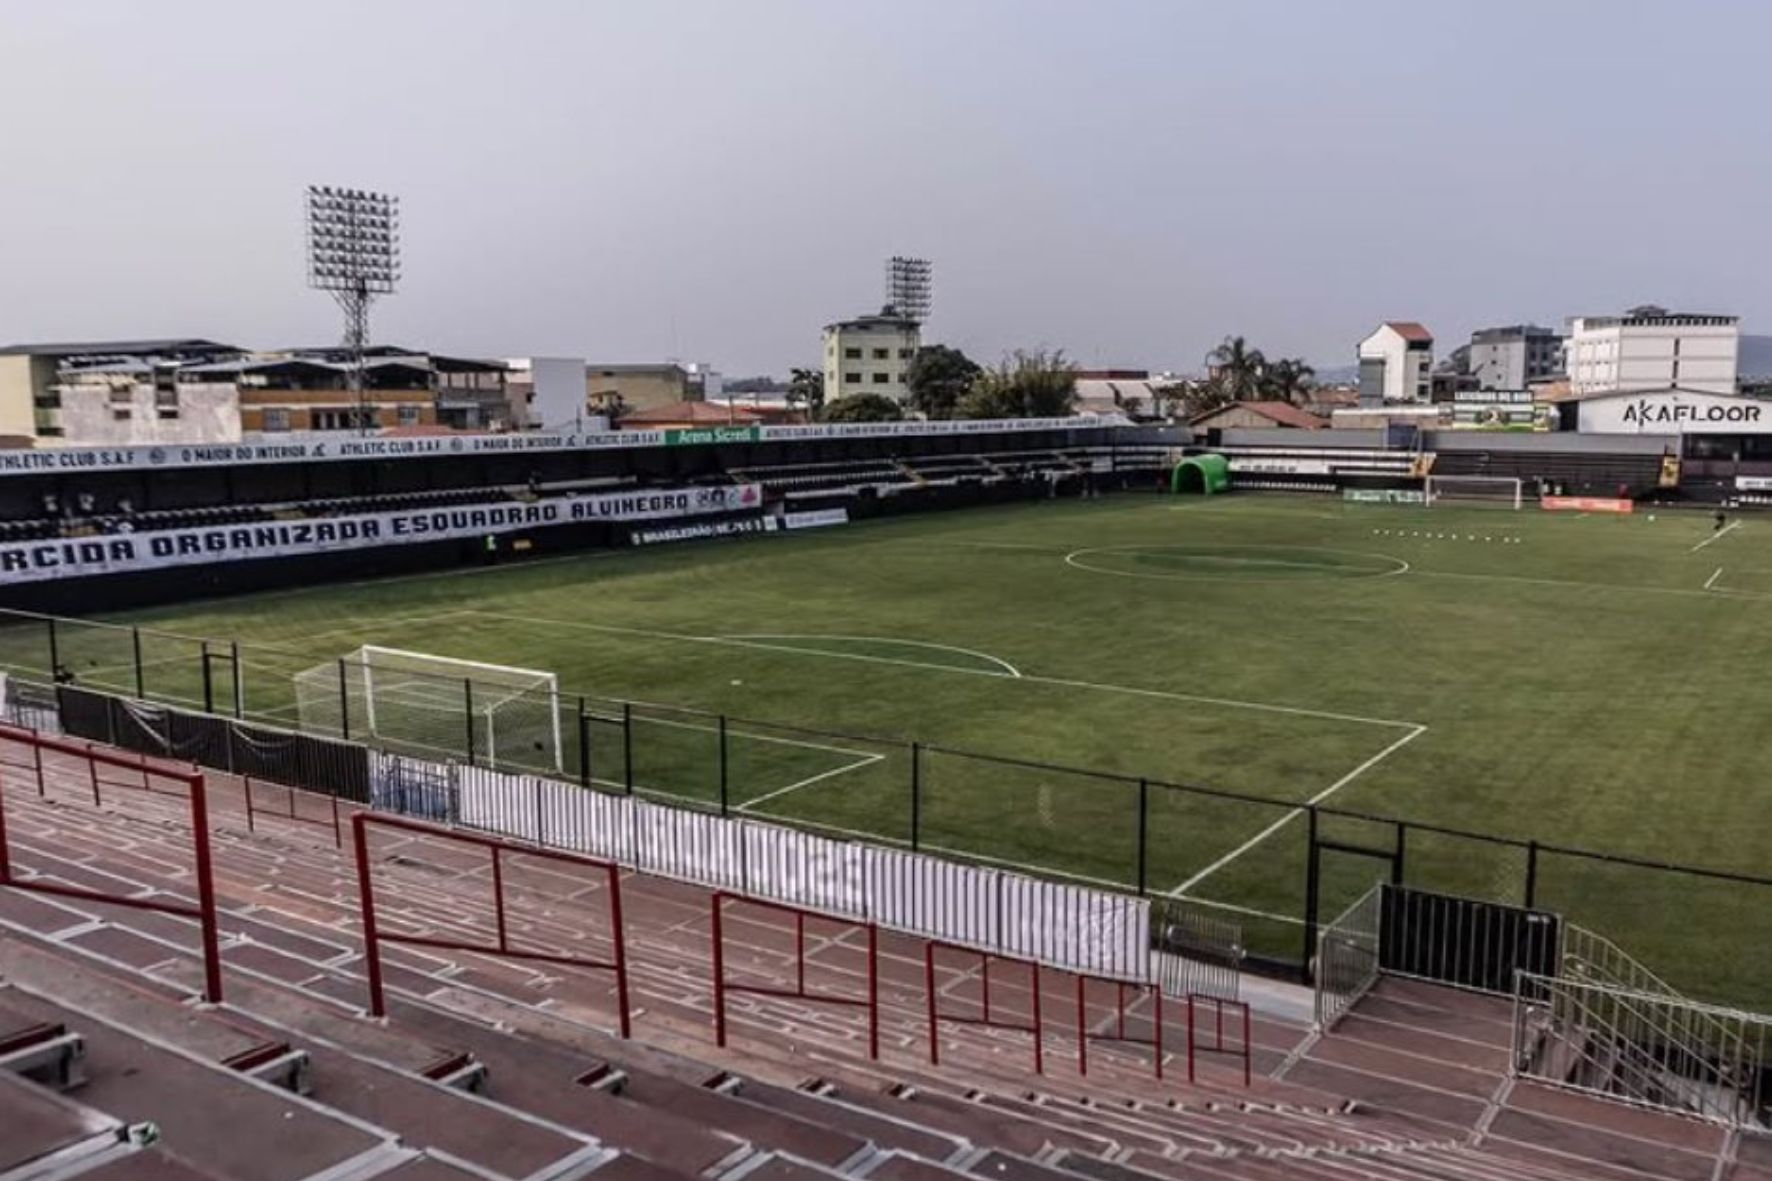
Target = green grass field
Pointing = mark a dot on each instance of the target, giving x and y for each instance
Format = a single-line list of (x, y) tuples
[(1586, 681)]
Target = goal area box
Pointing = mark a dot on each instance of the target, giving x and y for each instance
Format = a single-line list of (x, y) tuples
[(490, 715), (1508, 491)]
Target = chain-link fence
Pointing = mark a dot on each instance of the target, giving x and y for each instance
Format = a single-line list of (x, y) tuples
[(1277, 868)]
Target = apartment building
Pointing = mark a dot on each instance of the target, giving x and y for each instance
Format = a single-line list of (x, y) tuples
[(869, 355), (1396, 363), (1651, 348), (1514, 357)]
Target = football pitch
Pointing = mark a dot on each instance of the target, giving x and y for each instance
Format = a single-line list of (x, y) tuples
[(1595, 682)]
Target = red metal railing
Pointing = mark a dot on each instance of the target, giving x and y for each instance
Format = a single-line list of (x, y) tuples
[(203, 864), (1035, 1026), (374, 936), (722, 986), (252, 811), (1219, 1004), (1121, 987)]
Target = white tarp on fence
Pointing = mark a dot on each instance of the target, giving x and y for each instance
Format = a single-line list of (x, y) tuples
[(1061, 925)]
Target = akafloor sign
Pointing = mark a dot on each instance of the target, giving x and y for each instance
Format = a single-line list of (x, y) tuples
[(38, 561), (1675, 412)]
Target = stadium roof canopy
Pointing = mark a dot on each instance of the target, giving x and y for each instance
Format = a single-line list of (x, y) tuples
[(114, 348)]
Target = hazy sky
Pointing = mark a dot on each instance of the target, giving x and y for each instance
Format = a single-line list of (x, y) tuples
[(638, 179)]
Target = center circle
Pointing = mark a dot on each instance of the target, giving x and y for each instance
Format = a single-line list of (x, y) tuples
[(1233, 563)]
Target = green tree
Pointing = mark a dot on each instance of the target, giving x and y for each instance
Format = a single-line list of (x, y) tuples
[(806, 389), (1287, 380), (862, 408), (1236, 370), (938, 377), (1024, 385)]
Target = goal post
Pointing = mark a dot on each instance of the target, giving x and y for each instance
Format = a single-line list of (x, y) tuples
[(1492, 489), (493, 715)]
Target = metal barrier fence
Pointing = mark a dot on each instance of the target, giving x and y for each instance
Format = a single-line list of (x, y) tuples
[(1144, 835), (1649, 1049), (1347, 958), (48, 755), (499, 852)]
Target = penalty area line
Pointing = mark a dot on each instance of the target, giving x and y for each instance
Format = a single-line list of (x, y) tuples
[(1731, 527), (1711, 582), (866, 760), (1328, 792), (1025, 678)]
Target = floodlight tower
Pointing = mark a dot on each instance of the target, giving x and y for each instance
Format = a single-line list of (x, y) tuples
[(354, 253), (907, 287)]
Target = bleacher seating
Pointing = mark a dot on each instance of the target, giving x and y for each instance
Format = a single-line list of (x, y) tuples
[(494, 1068), (1577, 473)]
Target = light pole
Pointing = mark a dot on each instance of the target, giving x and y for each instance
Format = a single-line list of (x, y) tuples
[(354, 254)]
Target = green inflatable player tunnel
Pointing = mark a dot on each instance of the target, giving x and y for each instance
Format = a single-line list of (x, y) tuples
[(1205, 474)]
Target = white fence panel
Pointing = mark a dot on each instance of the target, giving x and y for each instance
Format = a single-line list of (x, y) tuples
[(1064, 926), (693, 846), (941, 899), (1073, 926), (805, 870)]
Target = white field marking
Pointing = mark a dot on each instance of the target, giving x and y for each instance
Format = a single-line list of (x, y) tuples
[(1712, 580), (1615, 586), (1249, 910), (1008, 669), (1048, 549), (734, 733), (1295, 813), (866, 760), (1731, 527), (1070, 560), (1025, 678), (1244, 510)]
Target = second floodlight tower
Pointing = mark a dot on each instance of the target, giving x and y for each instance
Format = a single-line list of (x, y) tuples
[(354, 254), (908, 282)]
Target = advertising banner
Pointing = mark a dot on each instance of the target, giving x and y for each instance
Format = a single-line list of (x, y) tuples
[(1384, 495), (327, 447), (1268, 465), (111, 553), (816, 519), (1676, 412), (700, 529), (1587, 504)]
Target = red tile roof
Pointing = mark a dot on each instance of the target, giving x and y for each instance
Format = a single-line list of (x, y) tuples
[(1410, 330), (696, 413), (1278, 413)]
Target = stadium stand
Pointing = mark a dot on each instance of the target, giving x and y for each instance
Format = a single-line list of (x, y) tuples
[(493, 1067), (1577, 473)]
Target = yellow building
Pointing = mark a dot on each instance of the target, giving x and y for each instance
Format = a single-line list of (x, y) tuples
[(869, 355)]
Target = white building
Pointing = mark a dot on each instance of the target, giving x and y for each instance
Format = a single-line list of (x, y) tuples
[(869, 355), (1514, 357), (1651, 348), (1395, 364)]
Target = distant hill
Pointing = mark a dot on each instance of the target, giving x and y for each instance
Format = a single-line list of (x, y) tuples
[(1343, 374), (1756, 356)]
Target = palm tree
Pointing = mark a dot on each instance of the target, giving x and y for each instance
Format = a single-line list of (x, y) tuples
[(1287, 380), (1236, 369)]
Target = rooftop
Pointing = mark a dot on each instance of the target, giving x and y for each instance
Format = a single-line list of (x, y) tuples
[(114, 348), (1279, 413), (886, 318), (1410, 330), (695, 413)]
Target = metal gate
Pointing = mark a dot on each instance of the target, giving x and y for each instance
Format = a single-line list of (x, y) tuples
[(1464, 942), (30, 705)]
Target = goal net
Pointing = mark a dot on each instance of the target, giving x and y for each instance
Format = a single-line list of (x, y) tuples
[(415, 703), (1493, 489)]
